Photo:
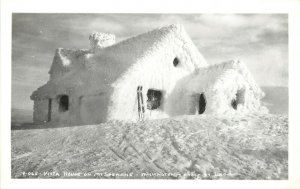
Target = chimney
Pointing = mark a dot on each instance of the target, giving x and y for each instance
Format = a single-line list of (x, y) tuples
[(101, 40)]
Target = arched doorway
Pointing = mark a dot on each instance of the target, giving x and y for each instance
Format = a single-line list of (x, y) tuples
[(202, 104), (63, 101), (238, 99)]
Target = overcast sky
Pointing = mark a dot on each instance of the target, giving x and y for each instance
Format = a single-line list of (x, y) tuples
[(259, 40)]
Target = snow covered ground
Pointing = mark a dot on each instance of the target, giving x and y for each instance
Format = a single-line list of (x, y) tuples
[(186, 147)]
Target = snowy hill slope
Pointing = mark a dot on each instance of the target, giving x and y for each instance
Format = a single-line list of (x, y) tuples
[(251, 147)]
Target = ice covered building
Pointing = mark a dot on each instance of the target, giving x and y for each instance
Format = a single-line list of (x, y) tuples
[(99, 84)]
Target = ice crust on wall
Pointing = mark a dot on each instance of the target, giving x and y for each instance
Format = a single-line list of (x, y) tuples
[(101, 82)]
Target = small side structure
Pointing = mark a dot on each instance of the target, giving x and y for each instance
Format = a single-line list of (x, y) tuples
[(226, 88)]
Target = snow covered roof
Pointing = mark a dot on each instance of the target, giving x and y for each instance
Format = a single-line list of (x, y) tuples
[(84, 69)]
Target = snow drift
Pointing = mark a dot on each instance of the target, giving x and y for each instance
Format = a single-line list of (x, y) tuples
[(188, 147)]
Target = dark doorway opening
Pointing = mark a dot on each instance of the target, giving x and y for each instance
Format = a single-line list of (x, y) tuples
[(238, 99), (202, 104), (63, 103), (49, 109), (154, 98)]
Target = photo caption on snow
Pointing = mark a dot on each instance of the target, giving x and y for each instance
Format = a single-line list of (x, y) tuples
[(65, 174)]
